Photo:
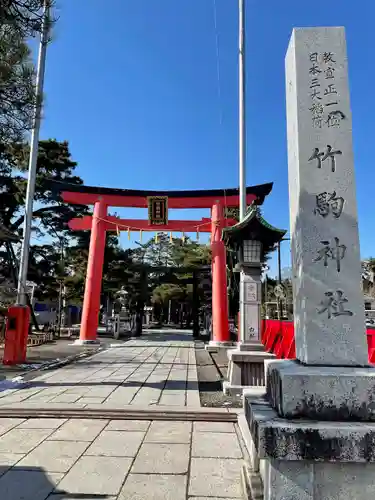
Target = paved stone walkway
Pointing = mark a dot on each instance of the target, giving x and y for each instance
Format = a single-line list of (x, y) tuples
[(92, 459), (118, 459), (157, 369)]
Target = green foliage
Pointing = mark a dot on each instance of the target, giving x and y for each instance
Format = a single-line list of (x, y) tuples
[(172, 288), (19, 20), (25, 16), (190, 254), (162, 294), (50, 218), (45, 270), (17, 97), (54, 163)]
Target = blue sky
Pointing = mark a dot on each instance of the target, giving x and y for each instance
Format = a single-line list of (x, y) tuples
[(133, 86)]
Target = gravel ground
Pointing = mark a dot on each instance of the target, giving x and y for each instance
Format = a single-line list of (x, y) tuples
[(211, 373)]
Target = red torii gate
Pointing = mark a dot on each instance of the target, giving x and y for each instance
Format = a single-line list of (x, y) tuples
[(100, 222)]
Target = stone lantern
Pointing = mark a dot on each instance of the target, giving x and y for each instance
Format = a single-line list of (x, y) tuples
[(250, 241)]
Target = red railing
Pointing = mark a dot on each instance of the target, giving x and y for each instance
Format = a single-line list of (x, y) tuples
[(278, 338)]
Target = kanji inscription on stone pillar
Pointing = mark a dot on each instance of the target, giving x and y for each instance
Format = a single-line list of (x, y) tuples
[(328, 298)]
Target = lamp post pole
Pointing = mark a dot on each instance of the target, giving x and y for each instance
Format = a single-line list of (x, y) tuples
[(242, 149), (22, 277), (241, 109), (279, 301), (61, 288)]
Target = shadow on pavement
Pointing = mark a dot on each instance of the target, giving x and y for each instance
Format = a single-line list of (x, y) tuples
[(170, 385), (34, 483), (166, 336)]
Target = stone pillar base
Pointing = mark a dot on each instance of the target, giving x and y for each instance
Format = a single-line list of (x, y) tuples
[(215, 346), (250, 346), (332, 393), (245, 370), (308, 459), (252, 486), (86, 342)]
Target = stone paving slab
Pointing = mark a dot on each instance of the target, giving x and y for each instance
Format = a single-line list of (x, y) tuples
[(215, 477), (216, 445), (65, 398), (169, 432), (6, 424), (99, 392), (90, 400), (213, 427), (96, 475), (8, 460), (116, 444), (128, 425), (22, 440), (42, 423), (154, 487), (162, 459), (54, 456), (79, 430), (82, 391)]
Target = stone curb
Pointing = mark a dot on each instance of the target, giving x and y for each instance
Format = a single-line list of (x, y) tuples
[(251, 482), (144, 414)]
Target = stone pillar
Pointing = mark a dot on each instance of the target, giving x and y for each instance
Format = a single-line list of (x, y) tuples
[(252, 299), (315, 430), (328, 298), (91, 301)]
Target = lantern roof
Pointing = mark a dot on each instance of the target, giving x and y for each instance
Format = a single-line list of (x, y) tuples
[(253, 227)]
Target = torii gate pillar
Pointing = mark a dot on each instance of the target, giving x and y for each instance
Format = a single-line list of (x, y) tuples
[(220, 324), (91, 301)]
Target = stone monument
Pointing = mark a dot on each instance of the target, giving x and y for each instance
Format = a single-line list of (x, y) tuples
[(314, 432)]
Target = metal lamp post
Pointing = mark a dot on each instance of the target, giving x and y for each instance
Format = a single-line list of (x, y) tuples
[(242, 148), (24, 261), (61, 288), (279, 298)]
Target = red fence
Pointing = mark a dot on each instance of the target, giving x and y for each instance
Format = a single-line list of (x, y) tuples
[(278, 338)]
